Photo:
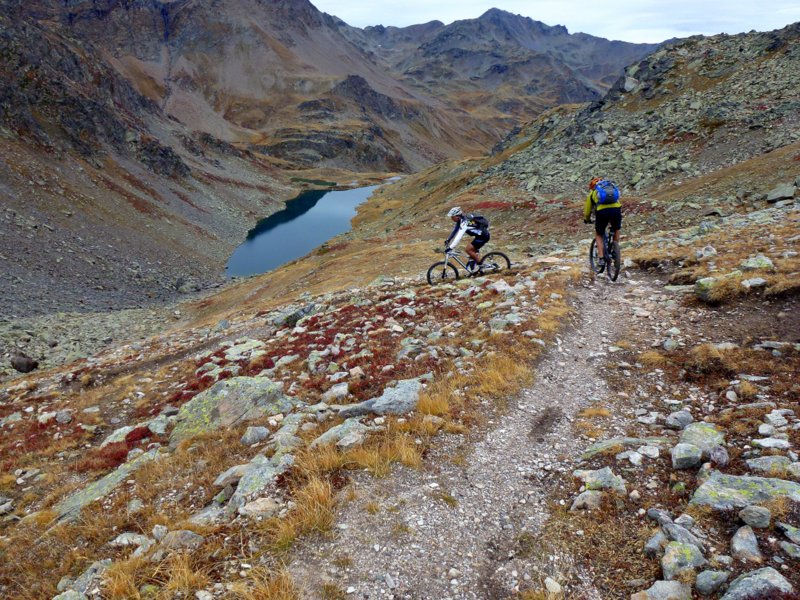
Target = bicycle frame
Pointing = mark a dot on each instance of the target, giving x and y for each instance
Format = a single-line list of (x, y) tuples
[(454, 254)]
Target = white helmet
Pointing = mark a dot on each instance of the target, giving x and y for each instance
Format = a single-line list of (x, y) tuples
[(455, 212)]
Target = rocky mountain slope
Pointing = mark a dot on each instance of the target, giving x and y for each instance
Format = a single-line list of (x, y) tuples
[(327, 430), (502, 64), (131, 130)]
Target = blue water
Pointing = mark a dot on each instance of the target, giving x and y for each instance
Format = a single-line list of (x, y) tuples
[(308, 221)]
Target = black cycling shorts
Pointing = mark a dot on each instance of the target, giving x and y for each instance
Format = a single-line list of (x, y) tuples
[(605, 216), (479, 241)]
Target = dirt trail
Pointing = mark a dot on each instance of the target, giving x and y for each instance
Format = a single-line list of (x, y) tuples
[(450, 529)]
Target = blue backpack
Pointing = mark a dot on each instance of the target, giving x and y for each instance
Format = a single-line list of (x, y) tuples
[(607, 192)]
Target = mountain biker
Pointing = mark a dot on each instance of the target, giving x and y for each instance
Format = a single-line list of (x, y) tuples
[(471, 224), (605, 214)]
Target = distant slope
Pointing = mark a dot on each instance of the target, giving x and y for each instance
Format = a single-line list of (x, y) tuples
[(502, 64)]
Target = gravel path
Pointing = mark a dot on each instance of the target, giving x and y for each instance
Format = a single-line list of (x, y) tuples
[(449, 530)]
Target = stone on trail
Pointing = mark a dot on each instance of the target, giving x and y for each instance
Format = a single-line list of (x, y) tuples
[(724, 492), (762, 584), (228, 403), (665, 590), (784, 191), (680, 560)]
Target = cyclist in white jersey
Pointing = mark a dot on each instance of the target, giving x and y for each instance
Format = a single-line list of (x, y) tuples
[(471, 224)]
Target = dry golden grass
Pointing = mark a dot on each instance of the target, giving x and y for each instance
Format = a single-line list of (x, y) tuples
[(653, 358), (502, 375), (124, 577), (746, 390), (262, 584), (182, 573), (588, 429), (433, 403), (595, 412), (312, 513), (378, 458)]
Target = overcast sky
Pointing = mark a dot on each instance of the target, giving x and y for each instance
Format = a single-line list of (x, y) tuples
[(628, 20)]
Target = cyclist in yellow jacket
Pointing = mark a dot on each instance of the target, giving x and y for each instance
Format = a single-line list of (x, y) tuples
[(605, 213)]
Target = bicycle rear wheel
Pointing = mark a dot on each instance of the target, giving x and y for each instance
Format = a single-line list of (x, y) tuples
[(594, 261), (442, 272), (614, 261), (494, 262)]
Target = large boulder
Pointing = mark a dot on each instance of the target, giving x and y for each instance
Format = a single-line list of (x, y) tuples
[(724, 492), (228, 403), (398, 400)]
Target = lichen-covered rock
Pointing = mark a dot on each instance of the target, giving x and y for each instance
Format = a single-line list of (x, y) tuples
[(686, 456), (680, 560), (622, 442), (724, 492), (757, 262), (228, 403), (602, 479), (703, 435), (762, 584), (71, 506), (792, 533)]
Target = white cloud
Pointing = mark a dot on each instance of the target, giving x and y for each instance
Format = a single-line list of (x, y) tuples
[(628, 20)]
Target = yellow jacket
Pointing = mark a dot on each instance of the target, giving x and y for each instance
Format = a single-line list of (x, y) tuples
[(591, 201)]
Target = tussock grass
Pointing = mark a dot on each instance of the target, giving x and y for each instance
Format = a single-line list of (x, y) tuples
[(312, 513), (263, 584), (653, 358), (182, 573), (595, 412), (378, 458)]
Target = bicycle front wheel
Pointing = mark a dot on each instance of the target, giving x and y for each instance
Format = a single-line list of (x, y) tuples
[(493, 262), (442, 272), (594, 261), (614, 262)]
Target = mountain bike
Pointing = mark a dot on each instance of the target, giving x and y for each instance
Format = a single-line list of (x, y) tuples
[(610, 253), (445, 270)]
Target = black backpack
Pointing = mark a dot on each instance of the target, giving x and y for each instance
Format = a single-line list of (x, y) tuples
[(480, 222)]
